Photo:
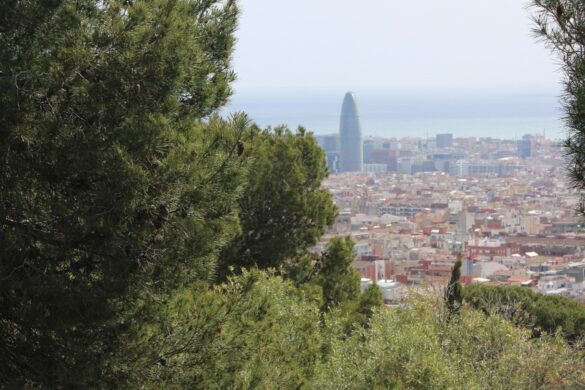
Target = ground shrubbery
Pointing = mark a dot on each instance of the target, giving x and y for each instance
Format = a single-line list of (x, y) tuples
[(418, 347), (260, 331)]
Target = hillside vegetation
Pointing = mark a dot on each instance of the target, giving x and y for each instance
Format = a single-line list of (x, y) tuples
[(538, 312)]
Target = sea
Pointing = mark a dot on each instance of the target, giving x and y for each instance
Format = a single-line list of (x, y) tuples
[(422, 114)]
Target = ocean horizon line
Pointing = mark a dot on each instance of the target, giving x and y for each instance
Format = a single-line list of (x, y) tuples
[(393, 116)]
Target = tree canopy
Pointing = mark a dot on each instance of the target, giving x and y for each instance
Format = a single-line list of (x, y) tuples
[(339, 281), (283, 209), (560, 24), (118, 183), (538, 312)]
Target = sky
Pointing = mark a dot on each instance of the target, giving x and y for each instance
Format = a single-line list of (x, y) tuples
[(418, 67), (390, 45)]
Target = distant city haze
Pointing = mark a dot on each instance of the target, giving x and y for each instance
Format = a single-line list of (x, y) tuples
[(409, 114), (418, 68)]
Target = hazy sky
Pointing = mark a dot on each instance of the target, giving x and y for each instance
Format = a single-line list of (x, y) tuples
[(391, 45)]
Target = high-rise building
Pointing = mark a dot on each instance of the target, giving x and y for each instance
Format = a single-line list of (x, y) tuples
[(444, 140), (350, 136), (525, 146), (369, 145), (330, 144), (387, 157)]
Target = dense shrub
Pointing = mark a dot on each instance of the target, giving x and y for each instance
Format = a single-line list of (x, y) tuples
[(417, 347)]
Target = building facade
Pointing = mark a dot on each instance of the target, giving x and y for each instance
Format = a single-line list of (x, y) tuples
[(330, 144), (444, 140)]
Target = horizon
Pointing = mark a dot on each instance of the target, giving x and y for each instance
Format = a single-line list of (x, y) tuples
[(398, 114)]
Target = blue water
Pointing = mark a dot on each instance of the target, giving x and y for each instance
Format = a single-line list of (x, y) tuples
[(493, 114)]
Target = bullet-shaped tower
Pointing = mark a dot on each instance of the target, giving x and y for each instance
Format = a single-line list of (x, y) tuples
[(350, 136)]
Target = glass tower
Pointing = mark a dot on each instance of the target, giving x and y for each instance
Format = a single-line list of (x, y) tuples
[(350, 136)]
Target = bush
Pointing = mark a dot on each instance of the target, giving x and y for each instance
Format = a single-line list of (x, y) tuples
[(417, 347)]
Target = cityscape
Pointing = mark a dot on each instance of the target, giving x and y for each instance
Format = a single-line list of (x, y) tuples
[(415, 204)]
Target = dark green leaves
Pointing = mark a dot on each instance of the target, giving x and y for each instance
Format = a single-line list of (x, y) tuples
[(283, 209), (114, 192)]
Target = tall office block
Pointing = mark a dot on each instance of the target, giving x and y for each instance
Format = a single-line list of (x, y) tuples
[(369, 145), (444, 140), (350, 136), (525, 146), (330, 144), (387, 157)]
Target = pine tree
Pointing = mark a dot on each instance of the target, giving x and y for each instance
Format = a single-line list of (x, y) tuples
[(369, 300), (283, 209), (118, 182), (339, 281), (454, 291), (560, 24)]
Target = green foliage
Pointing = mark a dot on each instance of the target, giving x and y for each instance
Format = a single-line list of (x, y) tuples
[(339, 281), (358, 312), (345, 318), (560, 24), (453, 292), (371, 299), (260, 331), (114, 191), (301, 268), (255, 331), (548, 313), (283, 209), (416, 347)]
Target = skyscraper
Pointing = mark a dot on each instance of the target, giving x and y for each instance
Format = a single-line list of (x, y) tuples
[(350, 136)]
